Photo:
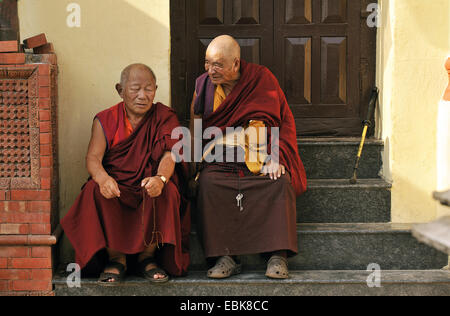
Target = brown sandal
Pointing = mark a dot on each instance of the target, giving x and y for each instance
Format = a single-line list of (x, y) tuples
[(277, 268), (224, 268)]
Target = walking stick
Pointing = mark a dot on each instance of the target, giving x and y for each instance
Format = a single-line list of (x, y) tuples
[(367, 123)]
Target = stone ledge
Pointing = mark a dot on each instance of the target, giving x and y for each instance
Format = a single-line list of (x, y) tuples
[(419, 282), (435, 234)]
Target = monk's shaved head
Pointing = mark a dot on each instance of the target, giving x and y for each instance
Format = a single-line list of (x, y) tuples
[(125, 75), (223, 60), (225, 45)]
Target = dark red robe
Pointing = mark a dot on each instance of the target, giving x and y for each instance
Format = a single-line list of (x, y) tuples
[(267, 220), (95, 223), (257, 96)]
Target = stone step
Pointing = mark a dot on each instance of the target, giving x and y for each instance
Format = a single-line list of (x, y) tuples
[(300, 283), (347, 247), (338, 201), (334, 158)]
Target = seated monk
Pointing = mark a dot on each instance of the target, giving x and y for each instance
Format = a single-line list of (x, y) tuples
[(132, 204), (246, 207)]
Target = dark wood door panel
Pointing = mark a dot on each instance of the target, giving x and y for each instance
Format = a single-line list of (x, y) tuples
[(9, 20), (315, 59), (249, 21), (321, 51)]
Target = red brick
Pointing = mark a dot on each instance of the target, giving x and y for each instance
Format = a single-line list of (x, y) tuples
[(44, 69), (40, 229), (12, 58), (45, 127), (46, 184), (30, 195), (45, 138), (9, 46), (44, 92), (46, 162), (5, 195), (44, 81), (39, 206), (32, 285), (3, 263), (45, 49), (25, 218), (41, 252), (44, 103), (14, 252), (12, 206), (35, 41), (13, 229), (31, 263), (41, 274), (4, 286), (15, 274), (45, 150), (45, 172)]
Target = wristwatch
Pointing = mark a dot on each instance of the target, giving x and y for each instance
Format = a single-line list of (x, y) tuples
[(163, 179)]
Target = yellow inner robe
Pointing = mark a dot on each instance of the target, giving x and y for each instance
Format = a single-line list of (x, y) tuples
[(255, 146)]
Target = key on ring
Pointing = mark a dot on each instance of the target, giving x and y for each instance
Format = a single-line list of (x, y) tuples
[(239, 198)]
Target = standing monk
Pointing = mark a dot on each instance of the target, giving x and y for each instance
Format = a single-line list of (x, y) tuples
[(132, 203), (248, 207)]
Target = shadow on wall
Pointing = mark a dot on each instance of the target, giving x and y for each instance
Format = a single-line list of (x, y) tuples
[(113, 34)]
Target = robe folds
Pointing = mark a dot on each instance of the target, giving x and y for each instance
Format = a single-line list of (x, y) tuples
[(127, 223), (256, 97), (264, 220)]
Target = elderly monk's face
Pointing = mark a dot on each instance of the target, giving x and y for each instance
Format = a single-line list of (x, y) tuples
[(221, 69), (138, 91)]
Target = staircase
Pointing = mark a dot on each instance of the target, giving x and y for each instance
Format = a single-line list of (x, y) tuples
[(342, 229)]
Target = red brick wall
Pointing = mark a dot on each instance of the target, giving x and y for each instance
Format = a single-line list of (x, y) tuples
[(28, 175)]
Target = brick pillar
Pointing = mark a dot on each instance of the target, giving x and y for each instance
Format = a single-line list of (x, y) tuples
[(28, 175)]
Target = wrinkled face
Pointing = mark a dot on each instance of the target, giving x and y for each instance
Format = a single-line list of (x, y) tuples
[(138, 92), (221, 70)]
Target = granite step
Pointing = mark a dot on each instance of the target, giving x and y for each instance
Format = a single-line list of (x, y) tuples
[(338, 201), (347, 247), (254, 283), (334, 158)]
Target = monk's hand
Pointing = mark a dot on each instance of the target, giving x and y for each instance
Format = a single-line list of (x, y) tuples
[(109, 187), (274, 170), (154, 186)]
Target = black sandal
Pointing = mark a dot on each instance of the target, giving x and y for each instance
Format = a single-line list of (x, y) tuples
[(105, 277), (150, 275)]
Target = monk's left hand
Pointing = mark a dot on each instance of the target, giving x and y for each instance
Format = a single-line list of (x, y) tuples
[(274, 170), (154, 186)]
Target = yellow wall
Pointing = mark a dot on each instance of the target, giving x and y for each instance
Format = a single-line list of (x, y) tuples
[(413, 42), (113, 34)]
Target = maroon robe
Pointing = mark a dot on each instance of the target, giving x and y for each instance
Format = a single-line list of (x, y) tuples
[(257, 96), (267, 221), (95, 223)]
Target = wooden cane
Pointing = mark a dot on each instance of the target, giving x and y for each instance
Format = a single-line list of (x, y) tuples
[(367, 123)]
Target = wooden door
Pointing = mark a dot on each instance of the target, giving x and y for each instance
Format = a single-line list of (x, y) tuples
[(9, 20), (321, 51)]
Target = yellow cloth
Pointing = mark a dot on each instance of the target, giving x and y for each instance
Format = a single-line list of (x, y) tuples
[(255, 146), (219, 97)]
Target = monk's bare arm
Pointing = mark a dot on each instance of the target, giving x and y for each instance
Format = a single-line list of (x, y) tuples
[(96, 150), (155, 185)]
